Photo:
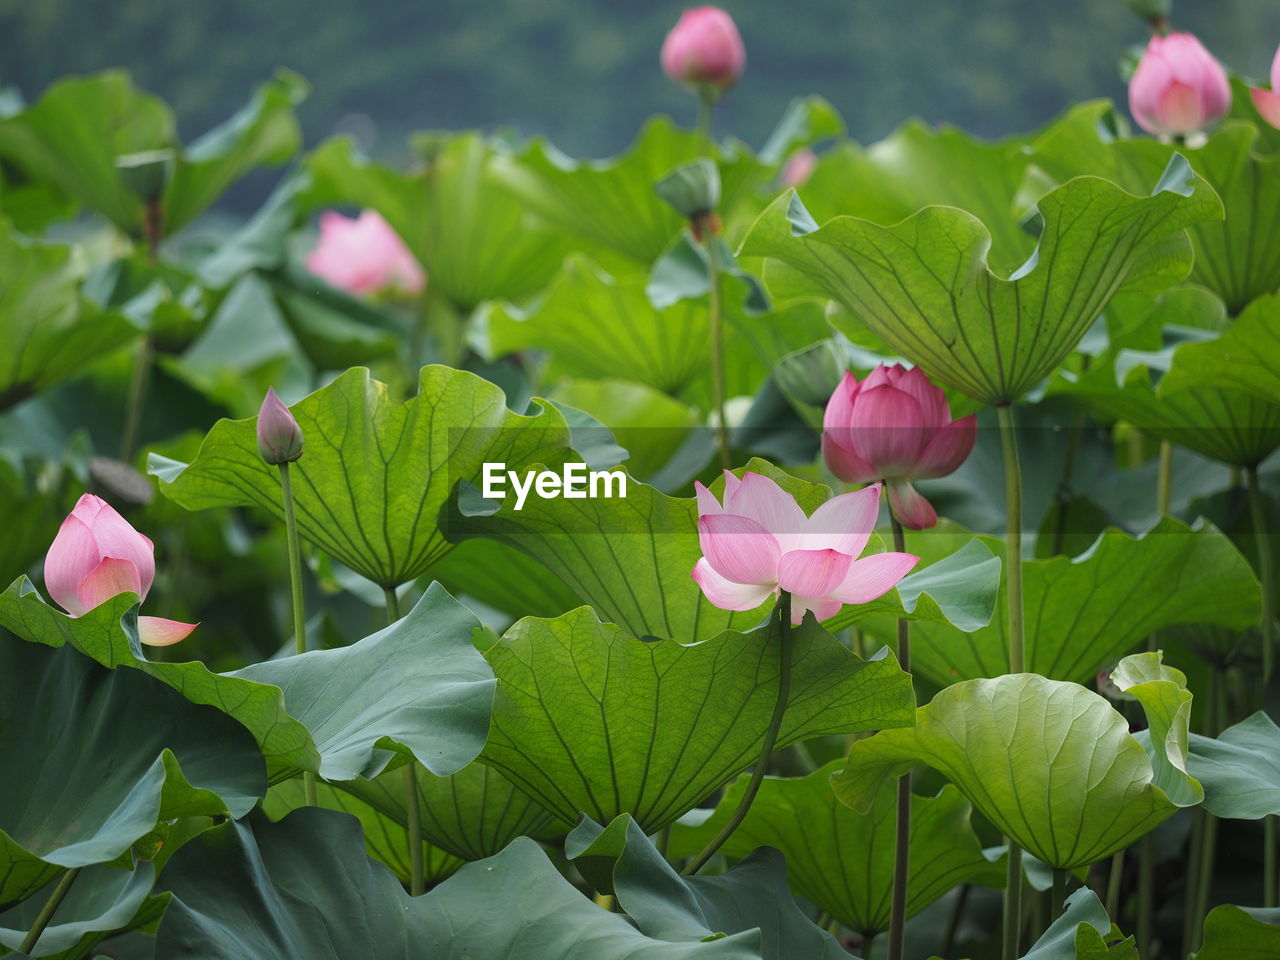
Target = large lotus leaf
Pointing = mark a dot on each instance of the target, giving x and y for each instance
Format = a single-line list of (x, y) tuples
[(1232, 258), (124, 753), (50, 332), (108, 634), (476, 242), (252, 891), (924, 285), (842, 860), (1083, 915), (375, 472), (1240, 933), (1246, 356), (526, 587), (101, 901), (916, 167), (1083, 613), (1050, 764), (612, 202), (751, 896), (589, 719), (419, 683), (630, 558), (1240, 769), (82, 125)]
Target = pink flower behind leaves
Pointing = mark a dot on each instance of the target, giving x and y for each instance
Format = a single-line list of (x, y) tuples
[(97, 555), (759, 541), (1178, 88), (798, 169), (1268, 101), (895, 426), (704, 50), (364, 256)]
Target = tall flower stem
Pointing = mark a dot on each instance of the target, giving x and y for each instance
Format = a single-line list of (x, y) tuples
[(1164, 480), (782, 626), (902, 833), (1017, 649), (715, 308), (295, 584), (412, 813), (48, 910), (1058, 893), (705, 103), (1267, 576), (153, 233)]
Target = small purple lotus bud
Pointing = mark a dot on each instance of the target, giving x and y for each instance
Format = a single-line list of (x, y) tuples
[(279, 436)]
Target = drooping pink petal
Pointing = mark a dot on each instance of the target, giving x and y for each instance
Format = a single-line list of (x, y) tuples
[(110, 578), (726, 594), (873, 576), (888, 429), (1267, 103), (824, 608), (837, 453), (910, 506), (117, 538), (159, 632), (812, 573), (72, 556), (761, 499), (739, 549), (844, 523), (947, 449)]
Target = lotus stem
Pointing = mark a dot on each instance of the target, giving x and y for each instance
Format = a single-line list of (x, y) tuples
[(138, 383), (715, 308), (902, 834), (1058, 894), (953, 922), (412, 813), (704, 115), (782, 613), (1114, 878), (1267, 576), (48, 910), (295, 585), (1164, 482)]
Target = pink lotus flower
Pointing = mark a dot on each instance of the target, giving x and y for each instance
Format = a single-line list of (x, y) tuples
[(279, 436), (97, 555), (1268, 101), (364, 256), (759, 542), (1179, 87), (896, 426), (704, 50), (798, 169)]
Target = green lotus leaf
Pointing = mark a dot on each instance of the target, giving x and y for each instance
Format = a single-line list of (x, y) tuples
[(526, 587), (752, 896), (589, 719), (85, 798), (1240, 933), (1084, 914), (1240, 769), (375, 472), (1245, 357), (1049, 763), (925, 288), (229, 881), (843, 861)]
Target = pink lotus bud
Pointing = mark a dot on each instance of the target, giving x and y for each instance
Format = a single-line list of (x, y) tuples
[(758, 542), (896, 426), (279, 436), (704, 50), (798, 169), (364, 256), (1179, 87), (97, 555), (1268, 101)]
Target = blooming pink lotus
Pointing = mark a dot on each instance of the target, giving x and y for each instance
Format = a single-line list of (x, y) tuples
[(704, 50), (1179, 87), (364, 256), (759, 542), (97, 555), (1268, 101), (895, 426)]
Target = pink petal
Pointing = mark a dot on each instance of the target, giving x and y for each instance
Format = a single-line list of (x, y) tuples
[(888, 430), (158, 632), (824, 608), (739, 549), (839, 409), (844, 523), (760, 499), (726, 594), (708, 505), (72, 556), (932, 400), (1180, 109), (873, 576), (731, 483), (949, 447), (840, 459), (110, 578), (812, 573), (1275, 72), (117, 538), (1267, 104), (910, 507)]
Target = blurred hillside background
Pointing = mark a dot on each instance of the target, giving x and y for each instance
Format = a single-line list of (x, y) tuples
[(586, 73)]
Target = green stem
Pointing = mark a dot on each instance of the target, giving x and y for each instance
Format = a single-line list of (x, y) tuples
[(412, 812), (1059, 893), (295, 584), (715, 307), (1164, 481), (902, 834), (1266, 575), (1114, 879), (782, 613), (953, 922), (47, 911), (1012, 902), (704, 115), (138, 383), (1064, 482)]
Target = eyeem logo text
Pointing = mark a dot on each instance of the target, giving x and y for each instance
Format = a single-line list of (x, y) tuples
[(573, 482)]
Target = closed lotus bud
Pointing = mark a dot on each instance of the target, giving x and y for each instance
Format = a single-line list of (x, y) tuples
[(704, 51), (1268, 101), (1178, 88), (279, 436)]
